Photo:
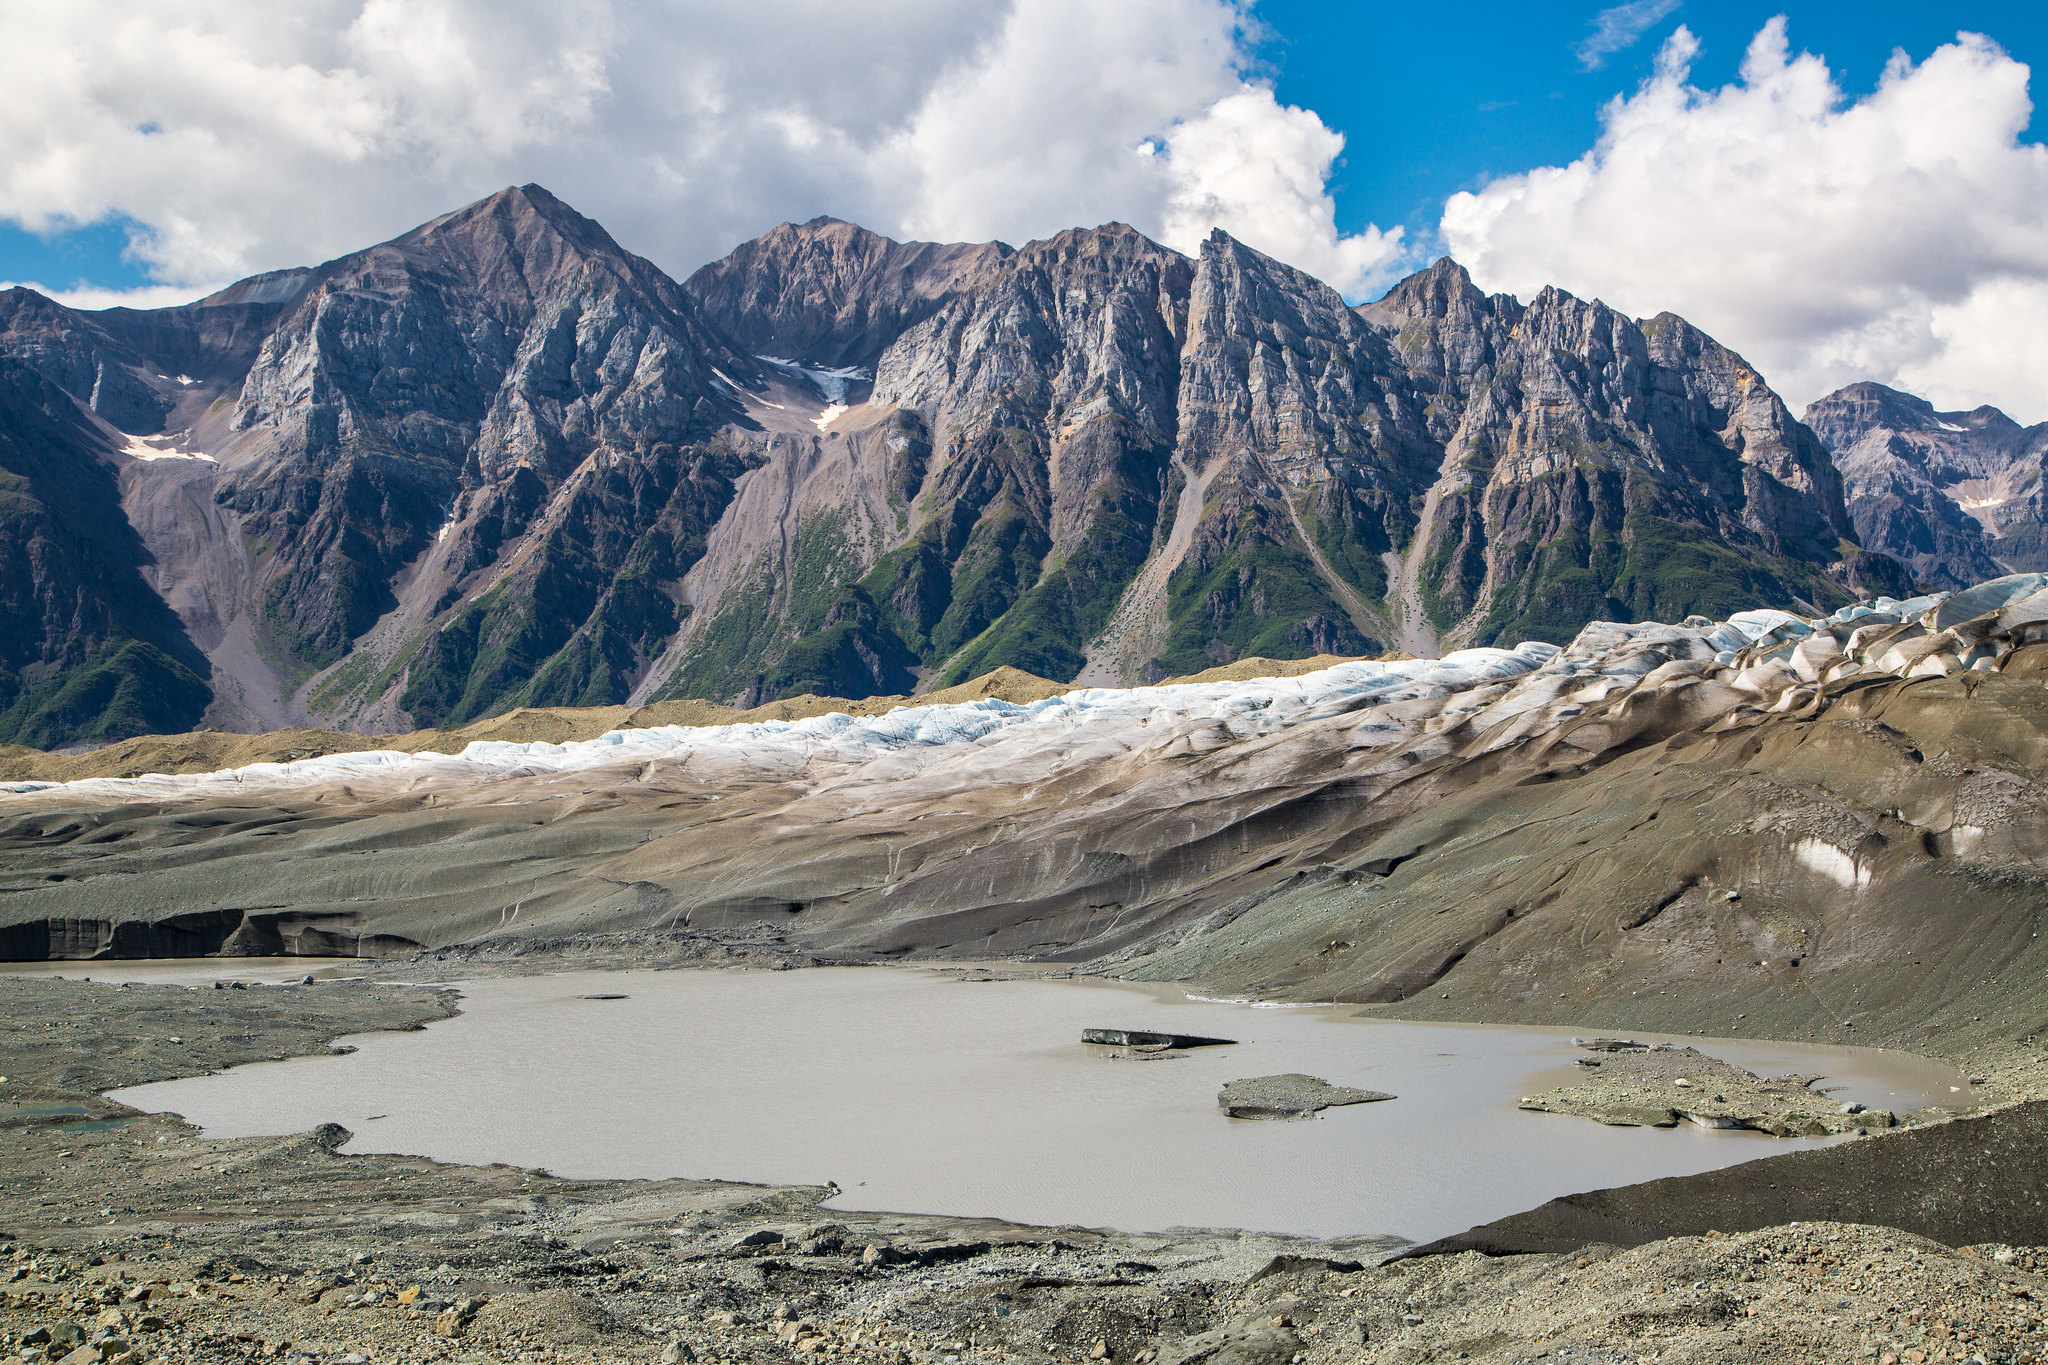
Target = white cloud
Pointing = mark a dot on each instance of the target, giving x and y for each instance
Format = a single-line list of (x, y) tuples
[(244, 135), (1902, 236), (144, 296), (1620, 28), (1257, 170)]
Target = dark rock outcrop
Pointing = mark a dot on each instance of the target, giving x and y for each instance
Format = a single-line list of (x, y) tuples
[(1140, 1038), (88, 651), (1958, 1183), (1955, 496)]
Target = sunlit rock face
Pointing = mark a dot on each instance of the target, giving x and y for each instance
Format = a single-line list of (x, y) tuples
[(1955, 496), (478, 449), (501, 461), (1764, 814)]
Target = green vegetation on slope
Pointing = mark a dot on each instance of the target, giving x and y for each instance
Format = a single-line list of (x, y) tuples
[(1657, 570), (1047, 631), (854, 653), (972, 577), (124, 688), (592, 602), (842, 645), (1351, 538), (1674, 570), (1259, 593)]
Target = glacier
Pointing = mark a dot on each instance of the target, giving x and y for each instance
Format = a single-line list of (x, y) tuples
[(1763, 654)]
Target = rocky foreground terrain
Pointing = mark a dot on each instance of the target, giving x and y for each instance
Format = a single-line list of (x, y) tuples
[(1664, 1086), (128, 1238), (1773, 826)]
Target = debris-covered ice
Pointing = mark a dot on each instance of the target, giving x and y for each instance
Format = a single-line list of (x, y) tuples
[(1768, 659)]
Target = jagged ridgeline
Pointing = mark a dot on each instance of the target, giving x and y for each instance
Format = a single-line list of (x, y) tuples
[(1955, 496), (502, 461)]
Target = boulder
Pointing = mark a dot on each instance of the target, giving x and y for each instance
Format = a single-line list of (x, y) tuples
[(1289, 1096), (1139, 1038)]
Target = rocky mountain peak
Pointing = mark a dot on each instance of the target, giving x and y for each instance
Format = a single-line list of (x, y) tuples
[(835, 295), (505, 250), (1955, 495), (1110, 241), (1441, 290), (1843, 417)]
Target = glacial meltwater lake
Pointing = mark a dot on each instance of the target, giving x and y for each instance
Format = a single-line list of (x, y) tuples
[(917, 1091)]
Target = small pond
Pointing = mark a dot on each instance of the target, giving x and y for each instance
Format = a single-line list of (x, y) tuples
[(918, 1091)]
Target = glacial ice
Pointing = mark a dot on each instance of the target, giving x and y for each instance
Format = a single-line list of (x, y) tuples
[(1538, 685)]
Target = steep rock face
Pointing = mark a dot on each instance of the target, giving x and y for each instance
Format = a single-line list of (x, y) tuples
[(999, 485), (1956, 496), (1445, 465), (1594, 467), (1052, 399), (834, 294), (1307, 461), (461, 376), (500, 460), (87, 650)]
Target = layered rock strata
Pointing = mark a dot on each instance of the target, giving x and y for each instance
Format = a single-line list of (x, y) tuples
[(501, 461), (1955, 496)]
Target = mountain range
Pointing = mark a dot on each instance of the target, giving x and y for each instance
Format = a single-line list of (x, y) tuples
[(1955, 496), (502, 461)]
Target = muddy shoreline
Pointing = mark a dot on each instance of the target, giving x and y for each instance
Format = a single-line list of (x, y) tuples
[(285, 1249)]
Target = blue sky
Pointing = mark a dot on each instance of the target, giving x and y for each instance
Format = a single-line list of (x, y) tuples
[(1430, 101), (86, 257), (1435, 99)]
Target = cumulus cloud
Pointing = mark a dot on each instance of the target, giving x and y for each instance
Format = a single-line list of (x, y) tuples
[(92, 296), (1257, 170), (1621, 28), (1897, 237), (244, 135)]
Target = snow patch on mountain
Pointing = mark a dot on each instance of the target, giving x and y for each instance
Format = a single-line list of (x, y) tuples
[(139, 448), (832, 383)]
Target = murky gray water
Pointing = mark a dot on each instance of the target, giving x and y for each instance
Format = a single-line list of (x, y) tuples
[(921, 1093)]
